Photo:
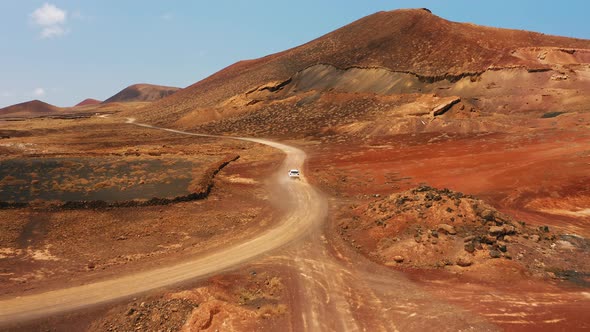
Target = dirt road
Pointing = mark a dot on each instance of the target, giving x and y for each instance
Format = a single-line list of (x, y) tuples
[(306, 209)]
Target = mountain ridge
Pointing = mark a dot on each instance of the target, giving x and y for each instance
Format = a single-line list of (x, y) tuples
[(407, 40)]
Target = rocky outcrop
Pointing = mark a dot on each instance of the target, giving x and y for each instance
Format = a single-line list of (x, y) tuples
[(444, 107), (427, 227)]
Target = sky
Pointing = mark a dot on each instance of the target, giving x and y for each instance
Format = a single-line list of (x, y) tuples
[(64, 51)]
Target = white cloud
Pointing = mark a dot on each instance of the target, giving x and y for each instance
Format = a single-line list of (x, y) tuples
[(39, 92), (51, 20), (49, 15)]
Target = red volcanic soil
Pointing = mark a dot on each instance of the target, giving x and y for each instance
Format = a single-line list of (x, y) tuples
[(88, 101), (416, 42), (142, 92), (536, 178), (390, 110), (29, 108)]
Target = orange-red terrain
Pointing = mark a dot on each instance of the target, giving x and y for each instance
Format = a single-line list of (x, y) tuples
[(88, 101), (29, 109), (454, 160), (142, 92)]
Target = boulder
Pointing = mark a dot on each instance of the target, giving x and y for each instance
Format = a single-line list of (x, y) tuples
[(398, 259)]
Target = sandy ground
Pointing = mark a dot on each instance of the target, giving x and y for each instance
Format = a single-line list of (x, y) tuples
[(324, 281)]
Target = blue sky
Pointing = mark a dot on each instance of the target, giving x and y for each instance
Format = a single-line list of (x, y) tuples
[(63, 51)]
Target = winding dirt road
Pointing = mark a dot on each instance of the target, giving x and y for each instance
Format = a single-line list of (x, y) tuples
[(307, 210), (335, 289)]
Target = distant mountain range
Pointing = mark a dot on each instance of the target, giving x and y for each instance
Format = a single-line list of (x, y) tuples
[(133, 93)]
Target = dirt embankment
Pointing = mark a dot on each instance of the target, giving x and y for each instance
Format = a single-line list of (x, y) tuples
[(240, 301), (253, 299)]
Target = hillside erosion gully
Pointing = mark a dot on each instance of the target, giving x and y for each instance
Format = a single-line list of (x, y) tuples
[(305, 210)]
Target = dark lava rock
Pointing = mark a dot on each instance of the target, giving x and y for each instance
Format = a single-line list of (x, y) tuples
[(495, 254), (488, 215), (470, 247)]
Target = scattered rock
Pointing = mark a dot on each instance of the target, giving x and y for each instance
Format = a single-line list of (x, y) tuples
[(464, 261), (559, 77), (535, 238), (502, 230), (469, 247), (488, 239), (488, 215), (469, 238), (398, 259), (448, 229), (495, 254)]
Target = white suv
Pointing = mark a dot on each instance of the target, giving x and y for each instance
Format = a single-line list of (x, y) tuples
[(294, 173)]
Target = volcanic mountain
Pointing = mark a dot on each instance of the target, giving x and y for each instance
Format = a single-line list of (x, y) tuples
[(142, 92), (88, 101), (392, 53), (29, 108)]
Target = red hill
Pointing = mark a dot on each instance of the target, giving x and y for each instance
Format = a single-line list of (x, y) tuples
[(142, 92), (412, 41), (29, 108), (88, 101)]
